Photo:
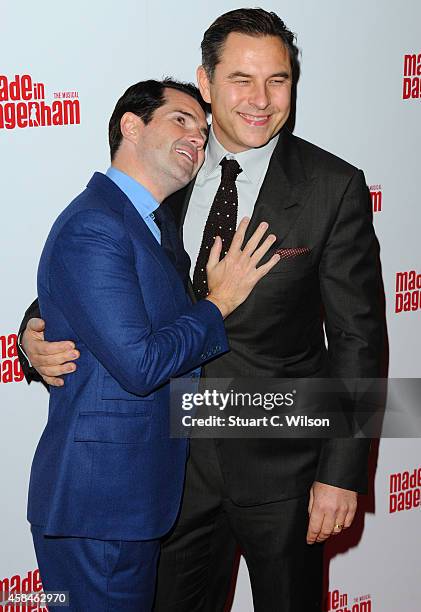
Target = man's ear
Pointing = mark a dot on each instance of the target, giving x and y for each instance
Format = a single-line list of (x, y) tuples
[(203, 83), (131, 127)]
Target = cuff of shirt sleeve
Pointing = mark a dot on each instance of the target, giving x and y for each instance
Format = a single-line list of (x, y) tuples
[(29, 371), (22, 350)]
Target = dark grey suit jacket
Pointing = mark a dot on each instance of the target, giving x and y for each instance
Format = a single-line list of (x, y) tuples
[(311, 199)]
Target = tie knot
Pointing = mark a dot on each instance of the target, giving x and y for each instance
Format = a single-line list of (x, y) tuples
[(230, 169)]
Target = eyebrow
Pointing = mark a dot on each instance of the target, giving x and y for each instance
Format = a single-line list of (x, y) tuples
[(238, 73), (204, 130)]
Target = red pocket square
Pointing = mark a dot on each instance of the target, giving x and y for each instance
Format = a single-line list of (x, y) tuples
[(293, 252)]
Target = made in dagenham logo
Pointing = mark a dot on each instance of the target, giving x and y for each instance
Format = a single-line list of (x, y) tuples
[(408, 291), (18, 584), (376, 197), (411, 76), (405, 490), (342, 602), (10, 368), (23, 104)]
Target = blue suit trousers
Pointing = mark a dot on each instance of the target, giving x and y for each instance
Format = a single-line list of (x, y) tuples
[(100, 575)]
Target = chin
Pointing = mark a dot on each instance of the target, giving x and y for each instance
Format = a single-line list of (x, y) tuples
[(185, 178), (255, 141)]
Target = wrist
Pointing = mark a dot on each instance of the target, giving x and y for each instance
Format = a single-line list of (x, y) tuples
[(220, 304)]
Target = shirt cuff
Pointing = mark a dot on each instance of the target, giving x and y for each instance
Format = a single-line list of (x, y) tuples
[(22, 350)]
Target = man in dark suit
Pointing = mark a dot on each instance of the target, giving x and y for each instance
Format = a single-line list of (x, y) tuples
[(107, 479), (275, 499)]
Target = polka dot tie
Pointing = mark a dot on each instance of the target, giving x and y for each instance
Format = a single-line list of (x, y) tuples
[(222, 221)]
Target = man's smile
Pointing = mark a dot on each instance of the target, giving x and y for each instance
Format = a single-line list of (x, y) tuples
[(255, 120), (188, 152)]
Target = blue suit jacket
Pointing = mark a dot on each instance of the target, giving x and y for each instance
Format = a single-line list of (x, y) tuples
[(105, 466)]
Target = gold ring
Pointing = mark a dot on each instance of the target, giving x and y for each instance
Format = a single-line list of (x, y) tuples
[(337, 526)]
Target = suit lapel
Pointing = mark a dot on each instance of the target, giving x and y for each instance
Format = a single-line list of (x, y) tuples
[(142, 234), (176, 265), (284, 191), (117, 200)]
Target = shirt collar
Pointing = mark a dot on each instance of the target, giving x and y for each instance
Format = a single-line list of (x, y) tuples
[(253, 162), (139, 196)]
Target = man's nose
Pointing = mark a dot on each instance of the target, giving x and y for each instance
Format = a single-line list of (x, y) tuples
[(259, 97), (197, 138)]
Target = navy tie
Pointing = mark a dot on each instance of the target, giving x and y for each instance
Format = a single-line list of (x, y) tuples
[(171, 242)]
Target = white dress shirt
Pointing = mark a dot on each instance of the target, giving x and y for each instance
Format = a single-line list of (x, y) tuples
[(254, 164)]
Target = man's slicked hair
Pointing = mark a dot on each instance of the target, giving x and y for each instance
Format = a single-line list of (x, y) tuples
[(143, 99), (250, 21)]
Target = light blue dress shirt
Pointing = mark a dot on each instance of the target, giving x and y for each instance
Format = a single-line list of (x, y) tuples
[(139, 196)]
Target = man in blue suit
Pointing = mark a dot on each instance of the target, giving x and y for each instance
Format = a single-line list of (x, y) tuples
[(107, 478)]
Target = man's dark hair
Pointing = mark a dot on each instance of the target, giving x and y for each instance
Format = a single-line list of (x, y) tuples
[(143, 99), (253, 22)]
